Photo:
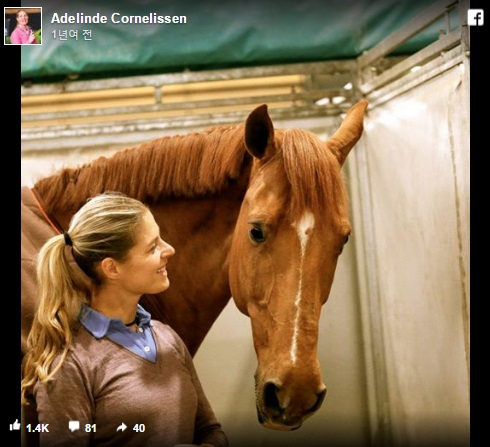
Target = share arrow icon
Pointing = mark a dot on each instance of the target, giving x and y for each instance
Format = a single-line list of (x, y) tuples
[(122, 427)]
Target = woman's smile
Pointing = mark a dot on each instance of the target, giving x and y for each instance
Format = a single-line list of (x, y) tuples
[(162, 270)]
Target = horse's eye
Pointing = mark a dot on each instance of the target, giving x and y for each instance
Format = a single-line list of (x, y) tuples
[(346, 239), (257, 235)]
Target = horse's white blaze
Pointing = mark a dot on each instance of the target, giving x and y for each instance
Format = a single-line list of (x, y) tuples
[(303, 228)]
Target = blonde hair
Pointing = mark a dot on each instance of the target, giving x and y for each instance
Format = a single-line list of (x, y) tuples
[(67, 274)]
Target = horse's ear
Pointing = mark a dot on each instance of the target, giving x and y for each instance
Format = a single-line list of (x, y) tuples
[(349, 131), (259, 131)]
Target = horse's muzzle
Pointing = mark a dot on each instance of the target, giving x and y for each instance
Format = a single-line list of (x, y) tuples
[(286, 415)]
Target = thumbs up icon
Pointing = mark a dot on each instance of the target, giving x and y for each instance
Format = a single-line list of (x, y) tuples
[(15, 425)]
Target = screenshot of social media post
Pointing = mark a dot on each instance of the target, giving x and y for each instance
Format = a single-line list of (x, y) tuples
[(242, 223)]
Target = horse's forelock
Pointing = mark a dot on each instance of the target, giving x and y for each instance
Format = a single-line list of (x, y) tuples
[(314, 175)]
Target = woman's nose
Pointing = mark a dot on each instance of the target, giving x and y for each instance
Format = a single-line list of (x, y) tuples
[(168, 250)]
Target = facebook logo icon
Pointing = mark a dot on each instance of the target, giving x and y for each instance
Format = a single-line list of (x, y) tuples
[(475, 17)]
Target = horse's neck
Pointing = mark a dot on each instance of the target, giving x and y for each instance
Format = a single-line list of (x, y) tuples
[(201, 231)]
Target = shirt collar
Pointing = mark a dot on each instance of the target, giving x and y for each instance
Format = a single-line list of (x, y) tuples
[(98, 324)]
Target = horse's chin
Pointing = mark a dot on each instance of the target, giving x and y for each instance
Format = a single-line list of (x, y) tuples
[(280, 427)]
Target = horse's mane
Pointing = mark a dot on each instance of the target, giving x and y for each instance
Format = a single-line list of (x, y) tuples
[(315, 175), (182, 165)]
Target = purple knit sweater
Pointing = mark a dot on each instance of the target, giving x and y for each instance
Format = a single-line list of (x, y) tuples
[(103, 385)]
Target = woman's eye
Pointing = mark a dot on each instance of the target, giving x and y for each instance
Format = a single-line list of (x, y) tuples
[(257, 235)]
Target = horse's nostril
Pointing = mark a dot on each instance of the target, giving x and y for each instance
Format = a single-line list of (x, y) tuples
[(271, 401)]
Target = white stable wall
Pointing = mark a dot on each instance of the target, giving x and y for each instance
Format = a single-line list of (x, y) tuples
[(412, 195)]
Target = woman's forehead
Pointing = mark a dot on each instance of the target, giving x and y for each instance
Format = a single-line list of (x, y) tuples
[(148, 229)]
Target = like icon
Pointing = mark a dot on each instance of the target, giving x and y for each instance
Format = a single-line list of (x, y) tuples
[(15, 425)]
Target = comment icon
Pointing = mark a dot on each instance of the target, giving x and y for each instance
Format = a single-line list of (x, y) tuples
[(74, 425)]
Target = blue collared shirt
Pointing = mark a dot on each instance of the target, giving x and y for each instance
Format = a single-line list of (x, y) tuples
[(141, 341)]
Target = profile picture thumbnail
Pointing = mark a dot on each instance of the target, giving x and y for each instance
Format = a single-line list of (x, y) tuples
[(23, 25)]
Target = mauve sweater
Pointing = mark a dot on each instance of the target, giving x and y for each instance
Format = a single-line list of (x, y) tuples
[(104, 384)]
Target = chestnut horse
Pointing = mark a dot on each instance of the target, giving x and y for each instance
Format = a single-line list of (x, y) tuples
[(254, 213)]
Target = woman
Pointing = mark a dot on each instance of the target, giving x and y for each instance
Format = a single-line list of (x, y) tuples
[(95, 356), (23, 33)]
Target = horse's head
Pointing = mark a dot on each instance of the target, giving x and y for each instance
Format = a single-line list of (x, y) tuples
[(292, 227)]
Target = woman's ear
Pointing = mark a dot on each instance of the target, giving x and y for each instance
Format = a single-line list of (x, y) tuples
[(109, 268)]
